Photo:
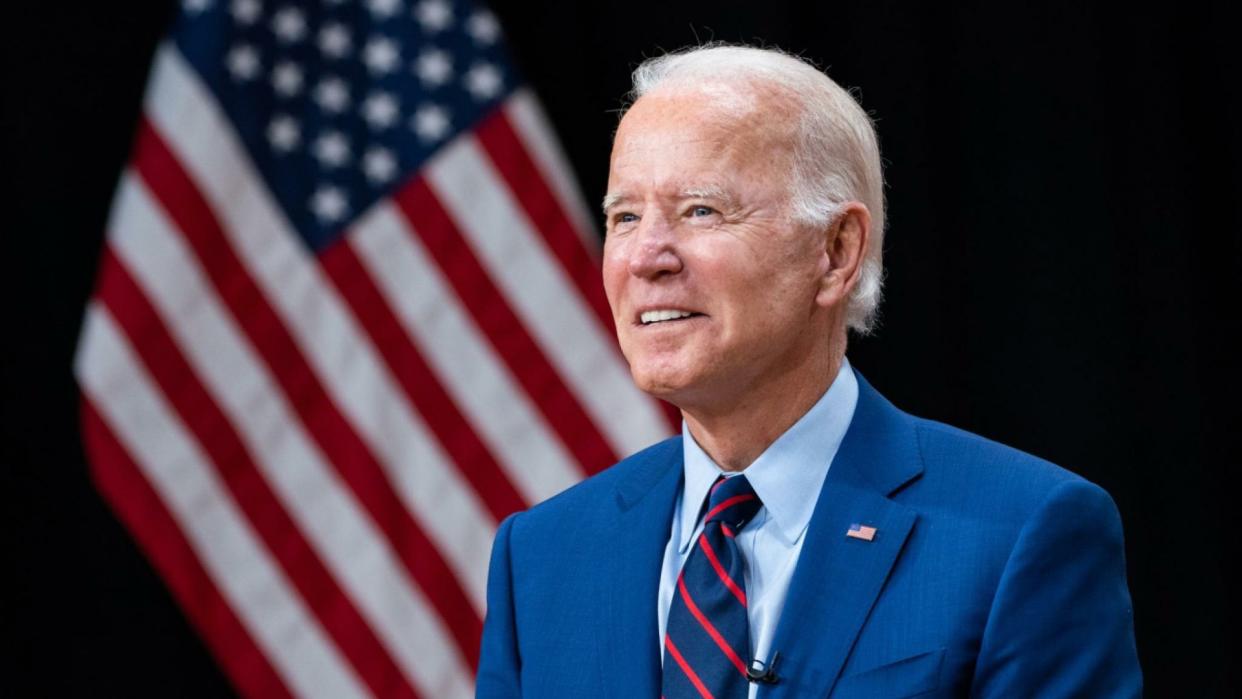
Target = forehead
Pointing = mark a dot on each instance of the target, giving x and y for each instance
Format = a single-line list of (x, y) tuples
[(695, 139)]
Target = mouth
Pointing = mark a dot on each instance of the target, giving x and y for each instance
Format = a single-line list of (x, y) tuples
[(665, 316)]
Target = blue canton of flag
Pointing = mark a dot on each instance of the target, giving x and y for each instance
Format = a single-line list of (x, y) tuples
[(336, 100)]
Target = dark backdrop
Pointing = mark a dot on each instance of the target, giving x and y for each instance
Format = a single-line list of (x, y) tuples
[(1063, 275)]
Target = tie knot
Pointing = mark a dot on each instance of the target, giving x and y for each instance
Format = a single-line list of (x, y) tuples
[(732, 501)]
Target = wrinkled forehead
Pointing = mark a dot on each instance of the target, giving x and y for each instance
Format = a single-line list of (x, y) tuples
[(693, 130), (755, 110)]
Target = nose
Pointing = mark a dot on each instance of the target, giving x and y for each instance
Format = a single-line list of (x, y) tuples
[(654, 253)]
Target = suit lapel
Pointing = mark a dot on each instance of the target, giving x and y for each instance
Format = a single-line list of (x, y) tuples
[(838, 578), (630, 575)]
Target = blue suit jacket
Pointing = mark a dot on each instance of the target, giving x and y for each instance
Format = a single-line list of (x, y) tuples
[(992, 574)]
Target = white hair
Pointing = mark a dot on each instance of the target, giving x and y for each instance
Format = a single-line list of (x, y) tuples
[(837, 156)]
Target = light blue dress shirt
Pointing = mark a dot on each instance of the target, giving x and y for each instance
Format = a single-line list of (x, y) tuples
[(787, 477)]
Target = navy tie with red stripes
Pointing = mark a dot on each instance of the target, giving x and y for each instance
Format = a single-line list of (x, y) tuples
[(707, 644)]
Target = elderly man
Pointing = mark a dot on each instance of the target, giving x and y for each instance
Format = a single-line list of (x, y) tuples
[(802, 537)]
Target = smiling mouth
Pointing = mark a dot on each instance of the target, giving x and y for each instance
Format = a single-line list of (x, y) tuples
[(665, 316)]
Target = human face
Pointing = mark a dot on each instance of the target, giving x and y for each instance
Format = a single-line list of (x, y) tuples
[(698, 223)]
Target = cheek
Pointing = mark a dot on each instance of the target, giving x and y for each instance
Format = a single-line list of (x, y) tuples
[(763, 306), (613, 272)]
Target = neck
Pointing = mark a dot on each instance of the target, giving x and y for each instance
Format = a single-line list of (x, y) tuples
[(735, 435)]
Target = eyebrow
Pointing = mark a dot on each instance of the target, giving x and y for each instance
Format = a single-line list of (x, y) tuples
[(707, 192), (612, 199)]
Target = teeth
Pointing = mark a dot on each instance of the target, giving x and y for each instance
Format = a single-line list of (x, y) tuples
[(658, 316)]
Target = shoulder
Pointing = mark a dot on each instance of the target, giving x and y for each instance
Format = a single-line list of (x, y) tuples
[(1004, 514), (942, 445), (942, 470), (977, 473), (588, 503)]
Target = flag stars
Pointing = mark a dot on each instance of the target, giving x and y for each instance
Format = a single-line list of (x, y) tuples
[(434, 15), (283, 133), (379, 165), (242, 62), (328, 204), (332, 95), (287, 79), (331, 149), (434, 67), (483, 27), (431, 122), (381, 55), (246, 12), (483, 81), (383, 9), (334, 41), (342, 101), (289, 25), (380, 110)]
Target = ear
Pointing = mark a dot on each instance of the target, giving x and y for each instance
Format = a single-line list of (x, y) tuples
[(845, 247)]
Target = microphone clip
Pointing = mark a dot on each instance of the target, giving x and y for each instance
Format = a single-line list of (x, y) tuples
[(761, 674)]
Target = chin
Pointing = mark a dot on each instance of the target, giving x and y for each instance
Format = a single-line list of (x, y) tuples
[(670, 384), (658, 381), (656, 385)]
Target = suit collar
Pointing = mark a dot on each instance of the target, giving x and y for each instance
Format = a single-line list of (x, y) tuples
[(838, 578), (648, 469), (881, 447), (630, 646)]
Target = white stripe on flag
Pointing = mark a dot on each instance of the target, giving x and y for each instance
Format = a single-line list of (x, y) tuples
[(476, 378), (173, 462), (445, 506), (344, 537), (533, 128), (549, 305)]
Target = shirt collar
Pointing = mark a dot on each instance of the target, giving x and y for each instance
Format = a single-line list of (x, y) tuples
[(789, 474)]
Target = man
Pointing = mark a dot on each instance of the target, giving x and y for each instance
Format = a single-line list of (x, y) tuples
[(802, 537)]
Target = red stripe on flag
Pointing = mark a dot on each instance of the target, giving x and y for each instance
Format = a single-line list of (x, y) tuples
[(511, 159), (216, 435), (138, 505), (346, 451), (474, 460), (671, 413), (428, 220)]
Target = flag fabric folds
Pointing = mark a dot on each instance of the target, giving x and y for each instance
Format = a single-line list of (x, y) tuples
[(347, 318)]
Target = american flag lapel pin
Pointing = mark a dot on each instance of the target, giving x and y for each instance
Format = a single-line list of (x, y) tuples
[(859, 531)]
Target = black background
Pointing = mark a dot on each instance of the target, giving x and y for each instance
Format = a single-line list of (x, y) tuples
[(1063, 275)]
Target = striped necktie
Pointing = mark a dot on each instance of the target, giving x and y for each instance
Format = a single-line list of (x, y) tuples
[(707, 644)]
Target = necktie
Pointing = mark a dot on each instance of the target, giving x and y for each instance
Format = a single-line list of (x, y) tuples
[(707, 644)]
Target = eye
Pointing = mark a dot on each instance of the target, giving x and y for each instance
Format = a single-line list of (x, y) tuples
[(701, 210), (621, 221)]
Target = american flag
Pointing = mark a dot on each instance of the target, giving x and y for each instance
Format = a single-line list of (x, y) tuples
[(348, 317), (861, 531)]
